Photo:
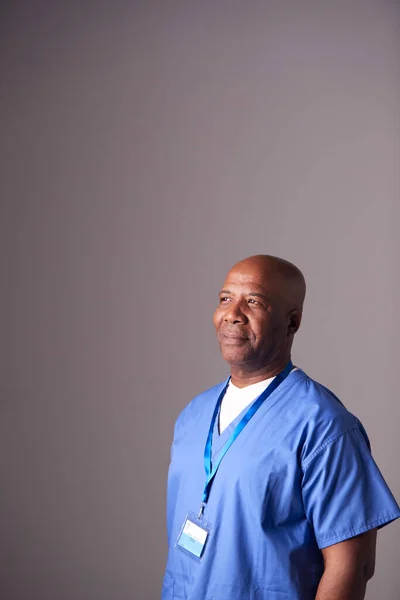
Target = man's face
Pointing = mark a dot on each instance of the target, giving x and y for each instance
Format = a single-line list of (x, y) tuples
[(251, 320)]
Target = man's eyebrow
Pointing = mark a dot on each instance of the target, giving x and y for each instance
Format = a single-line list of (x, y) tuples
[(258, 295)]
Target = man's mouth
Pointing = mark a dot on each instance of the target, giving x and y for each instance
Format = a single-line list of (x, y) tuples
[(233, 338)]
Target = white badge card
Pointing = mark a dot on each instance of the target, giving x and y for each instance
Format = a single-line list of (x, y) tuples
[(193, 535)]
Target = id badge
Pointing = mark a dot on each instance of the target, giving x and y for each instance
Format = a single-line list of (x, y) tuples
[(193, 535)]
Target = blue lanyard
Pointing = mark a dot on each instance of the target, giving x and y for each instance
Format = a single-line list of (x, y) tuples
[(211, 470)]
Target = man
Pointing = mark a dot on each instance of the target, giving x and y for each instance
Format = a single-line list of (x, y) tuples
[(272, 490)]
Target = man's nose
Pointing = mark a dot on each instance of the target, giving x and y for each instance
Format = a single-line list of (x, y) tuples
[(235, 314)]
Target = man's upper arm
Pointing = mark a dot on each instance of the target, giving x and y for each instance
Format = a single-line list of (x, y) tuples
[(356, 555)]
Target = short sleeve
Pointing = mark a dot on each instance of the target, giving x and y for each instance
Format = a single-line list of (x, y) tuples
[(344, 493)]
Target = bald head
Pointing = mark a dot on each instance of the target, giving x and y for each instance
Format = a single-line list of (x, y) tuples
[(259, 311), (282, 274)]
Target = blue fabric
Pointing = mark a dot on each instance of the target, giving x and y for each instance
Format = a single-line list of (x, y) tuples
[(211, 467), (299, 477)]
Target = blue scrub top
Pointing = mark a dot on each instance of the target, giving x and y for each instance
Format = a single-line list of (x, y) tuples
[(299, 477)]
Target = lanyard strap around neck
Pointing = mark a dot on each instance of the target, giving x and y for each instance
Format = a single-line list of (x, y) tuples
[(212, 469)]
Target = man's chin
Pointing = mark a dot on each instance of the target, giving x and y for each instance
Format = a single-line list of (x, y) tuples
[(233, 356)]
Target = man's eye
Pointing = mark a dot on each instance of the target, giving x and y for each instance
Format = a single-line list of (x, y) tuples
[(252, 301), (223, 299)]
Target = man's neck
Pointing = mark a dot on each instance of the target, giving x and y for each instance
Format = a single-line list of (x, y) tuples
[(242, 377)]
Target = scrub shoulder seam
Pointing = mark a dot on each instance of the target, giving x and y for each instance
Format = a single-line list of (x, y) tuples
[(328, 442)]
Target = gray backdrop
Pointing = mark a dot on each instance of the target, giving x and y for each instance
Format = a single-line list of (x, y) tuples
[(145, 148)]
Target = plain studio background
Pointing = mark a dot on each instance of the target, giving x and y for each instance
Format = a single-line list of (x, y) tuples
[(145, 148)]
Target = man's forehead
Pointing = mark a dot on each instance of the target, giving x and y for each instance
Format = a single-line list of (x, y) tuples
[(269, 275), (262, 279)]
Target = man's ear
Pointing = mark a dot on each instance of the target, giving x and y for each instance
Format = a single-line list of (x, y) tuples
[(294, 321)]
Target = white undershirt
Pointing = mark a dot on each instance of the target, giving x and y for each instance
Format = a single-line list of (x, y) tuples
[(236, 399)]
